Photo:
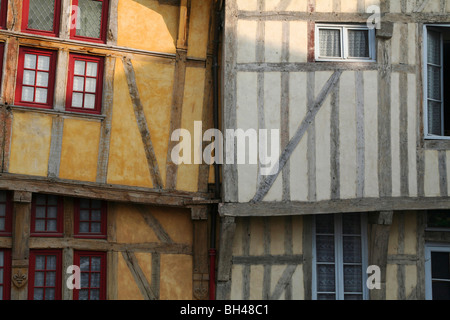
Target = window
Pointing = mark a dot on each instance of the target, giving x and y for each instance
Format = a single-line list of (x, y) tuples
[(437, 272), (84, 86), (45, 275), (5, 274), (436, 79), (90, 18), (93, 275), (47, 215), (344, 43), (41, 17), (35, 77), (5, 213), (90, 219), (3, 12), (340, 257)]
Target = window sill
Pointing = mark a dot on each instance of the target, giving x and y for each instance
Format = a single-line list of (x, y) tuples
[(69, 114)]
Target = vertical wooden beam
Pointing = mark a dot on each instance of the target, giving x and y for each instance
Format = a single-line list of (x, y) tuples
[(55, 147), (421, 224), (360, 135), (112, 256), (307, 237), (379, 239), (10, 69), (311, 139), (65, 20), (335, 183), (20, 246), (284, 108), (111, 38), (228, 228), (200, 252), (67, 294), (183, 26), (246, 270), (61, 80), (14, 15), (138, 275)]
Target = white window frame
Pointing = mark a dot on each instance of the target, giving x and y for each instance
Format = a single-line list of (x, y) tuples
[(425, 83), (344, 42), (339, 257), (432, 247)]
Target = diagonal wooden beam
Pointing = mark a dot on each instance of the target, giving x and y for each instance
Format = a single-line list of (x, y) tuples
[(154, 224), (283, 282), (142, 124), (138, 275), (268, 181)]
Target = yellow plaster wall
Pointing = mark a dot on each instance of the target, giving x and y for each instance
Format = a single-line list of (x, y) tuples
[(127, 161), (79, 151), (127, 288), (30, 144), (176, 277), (147, 25), (199, 28)]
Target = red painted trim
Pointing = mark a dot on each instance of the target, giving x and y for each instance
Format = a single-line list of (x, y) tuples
[(6, 274), (59, 219), (99, 85), (8, 216), (103, 26), (90, 254), (103, 219), (56, 20), (58, 271), (51, 77), (3, 14)]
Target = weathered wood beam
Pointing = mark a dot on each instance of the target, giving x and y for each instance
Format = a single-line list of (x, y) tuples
[(228, 228), (268, 259), (154, 224), (200, 260), (111, 37), (142, 124), (139, 276), (54, 159), (183, 24), (283, 282), (14, 15)]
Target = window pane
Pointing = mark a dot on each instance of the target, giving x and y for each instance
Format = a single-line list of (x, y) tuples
[(351, 223), (27, 94), (95, 227), (84, 294), (325, 278), (41, 199), (1, 276), (84, 227), (39, 279), (51, 262), (77, 100), (44, 63), (434, 82), (434, 47), (78, 83), (96, 215), (85, 280), (84, 203), (50, 279), (2, 210), (2, 196), (352, 279), (29, 77), (441, 290), (52, 212), (51, 225), (84, 214), (330, 42), (325, 248), (41, 14), (41, 95), (40, 262), (40, 212), (79, 67), (2, 261), (96, 204), (49, 294), (325, 223), (30, 61), (84, 263), (95, 280), (2, 223), (52, 200), (89, 18), (89, 101), (326, 297), (90, 84), (353, 297), (42, 79), (358, 43), (352, 249), (91, 69), (95, 294), (96, 263), (440, 265), (434, 117), (39, 225), (38, 294)]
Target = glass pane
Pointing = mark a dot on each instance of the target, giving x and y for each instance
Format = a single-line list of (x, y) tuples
[(51, 225), (38, 294), (96, 215), (49, 294), (325, 278), (85, 280), (84, 203), (41, 95), (434, 117), (40, 212), (84, 263), (77, 100), (434, 47), (84, 215), (51, 263), (441, 290), (39, 225), (1, 292), (29, 77), (2, 196), (27, 94), (352, 249), (39, 279), (2, 261), (79, 67), (351, 223), (440, 265), (50, 279), (52, 200), (330, 42), (44, 63), (326, 296), (84, 227), (325, 223), (42, 79), (2, 210), (91, 69), (95, 280), (95, 294), (89, 101), (353, 297), (84, 294), (90, 84), (96, 263), (96, 204), (41, 14), (40, 263), (89, 18), (95, 227), (434, 82), (78, 83), (1, 276), (52, 212), (30, 61), (358, 43), (325, 248), (2, 223), (41, 199), (352, 279)]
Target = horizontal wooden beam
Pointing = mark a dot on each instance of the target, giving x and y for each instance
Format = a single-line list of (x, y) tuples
[(267, 209), (269, 259), (105, 192)]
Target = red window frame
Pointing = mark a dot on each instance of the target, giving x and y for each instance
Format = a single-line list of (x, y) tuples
[(3, 14), (5, 286), (59, 217), (51, 77), (57, 270), (103, 25), (102, 271), (77, 220), (56, 20), (98, 87), (8, 214)]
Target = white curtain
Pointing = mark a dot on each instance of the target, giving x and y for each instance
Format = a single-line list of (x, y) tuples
[(358, 43), (330, 43)]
